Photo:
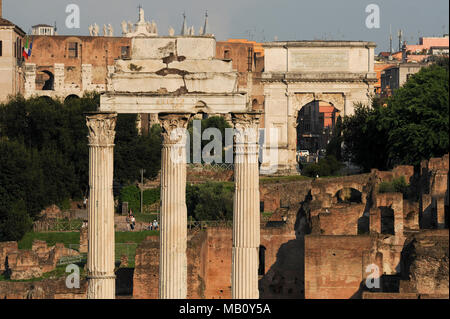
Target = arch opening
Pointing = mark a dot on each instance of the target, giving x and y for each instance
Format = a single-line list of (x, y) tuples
[(315, 124), (45, 80), (348, 195), (71, 97), (387, 220)]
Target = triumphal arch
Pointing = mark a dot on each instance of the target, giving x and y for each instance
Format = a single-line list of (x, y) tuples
[(296, 73), (174, 77)]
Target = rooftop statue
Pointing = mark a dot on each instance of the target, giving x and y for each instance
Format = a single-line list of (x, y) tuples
[(141, 15), (96, 30), (142, 28), (124, 27), (110, 30)]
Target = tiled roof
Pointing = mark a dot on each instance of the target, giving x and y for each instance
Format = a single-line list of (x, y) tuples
[(5, 22)]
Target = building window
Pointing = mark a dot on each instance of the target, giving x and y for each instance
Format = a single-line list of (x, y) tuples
[(1, 48), (250, 60), (227, 55), (73, 50), (125, 52)]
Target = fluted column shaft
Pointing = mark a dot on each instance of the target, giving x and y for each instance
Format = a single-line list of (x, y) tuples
[(173, 231), (100, 261), (246, 215)]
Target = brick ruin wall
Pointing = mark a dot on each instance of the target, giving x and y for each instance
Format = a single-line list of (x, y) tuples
[(209, 262)]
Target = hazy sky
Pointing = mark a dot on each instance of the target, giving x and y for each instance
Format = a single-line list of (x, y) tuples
[(260, 20)]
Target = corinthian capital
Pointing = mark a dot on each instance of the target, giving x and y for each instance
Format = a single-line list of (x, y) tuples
[(101, 128), (246, 120), (246, 125), (174, 126)]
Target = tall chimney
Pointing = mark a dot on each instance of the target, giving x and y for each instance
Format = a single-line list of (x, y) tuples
[(1, 5)]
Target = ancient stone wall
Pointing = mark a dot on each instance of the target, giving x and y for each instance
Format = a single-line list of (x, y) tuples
[(209, 262), (6, 248), (283, 194), (45, 289), (146, 272), (218, 272), (27, 264), (425, 263), (334, 265), (341, 219)]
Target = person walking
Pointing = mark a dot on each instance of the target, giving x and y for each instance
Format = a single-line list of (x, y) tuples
[(133, 222)]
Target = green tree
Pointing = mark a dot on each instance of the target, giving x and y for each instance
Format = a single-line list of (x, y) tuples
[(14, 223), (412, 127), (364, 139), (417, 117), (210, 201), (327, 166), (21, 178), (134, 152)]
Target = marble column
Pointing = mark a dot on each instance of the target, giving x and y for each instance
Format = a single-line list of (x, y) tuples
[(246, 214), (100, 260), (173, 222)]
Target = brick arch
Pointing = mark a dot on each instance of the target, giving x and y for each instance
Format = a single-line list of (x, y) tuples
[(351, 185)]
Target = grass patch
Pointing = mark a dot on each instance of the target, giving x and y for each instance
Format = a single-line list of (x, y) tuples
[(145, 218), (52, 238), (266, 215), (73, 238)]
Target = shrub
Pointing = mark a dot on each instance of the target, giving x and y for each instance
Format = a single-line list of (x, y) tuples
[(327, 166), (397, 185), (210, 201)]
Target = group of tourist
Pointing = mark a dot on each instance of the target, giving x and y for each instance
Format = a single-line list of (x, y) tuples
[(154, 225)]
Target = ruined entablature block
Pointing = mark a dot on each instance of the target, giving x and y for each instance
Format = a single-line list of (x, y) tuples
[(191, 48)]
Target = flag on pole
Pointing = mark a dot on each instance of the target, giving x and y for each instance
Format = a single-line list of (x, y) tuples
[(27, 49)]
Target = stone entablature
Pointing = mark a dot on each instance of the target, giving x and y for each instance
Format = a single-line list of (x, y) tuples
[(319, 77), (174, 65), (123, 102), (319, 56)]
